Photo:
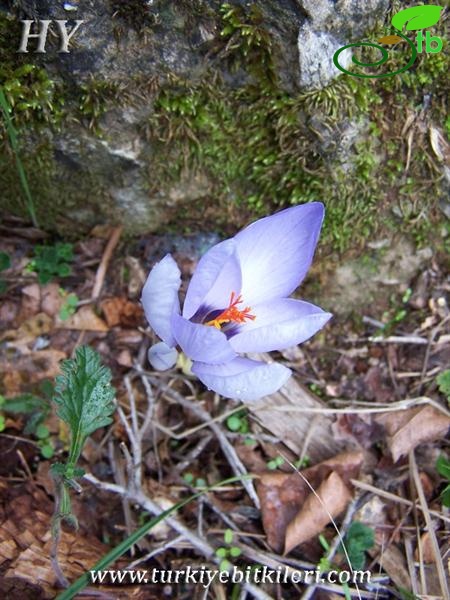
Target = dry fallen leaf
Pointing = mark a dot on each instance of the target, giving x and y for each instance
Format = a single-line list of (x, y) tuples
[(318, 510), (85, 318), (283, 496), (121, 311), (33, 366), (409, 428), (52, 300)]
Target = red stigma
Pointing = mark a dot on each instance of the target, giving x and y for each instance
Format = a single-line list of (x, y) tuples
[(232, 314)]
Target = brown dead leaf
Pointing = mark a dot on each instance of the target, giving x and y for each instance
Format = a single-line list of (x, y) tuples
[(121, 311), (283, 495), (34, 366), (31, 301), (407, 429), (319, 509), (52, 300), (35, 326), (428, 556), (84, 319), (137, 276)]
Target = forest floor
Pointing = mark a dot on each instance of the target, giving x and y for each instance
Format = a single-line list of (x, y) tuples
[(374, 387)]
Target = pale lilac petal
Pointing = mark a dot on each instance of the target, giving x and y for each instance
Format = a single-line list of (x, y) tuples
[(217, 275), (201, 342), (276, 252), (160, 297), (279, 324), (242, 378), (162, 357)]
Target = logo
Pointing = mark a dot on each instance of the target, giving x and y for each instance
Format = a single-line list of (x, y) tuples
[(414, 18)]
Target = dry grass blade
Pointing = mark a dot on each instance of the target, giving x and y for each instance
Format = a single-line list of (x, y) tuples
[(427, 516)]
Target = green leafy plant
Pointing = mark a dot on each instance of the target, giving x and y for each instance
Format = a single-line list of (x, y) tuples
[(443, 468), (275, 463), (223, 552), (443, 381), (69, 305), (51, 261), (37, 409), (238, 422), (84, 396), (198, 482), (5, 263), (358, 539)]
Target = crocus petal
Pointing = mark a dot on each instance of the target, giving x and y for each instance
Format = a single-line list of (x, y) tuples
[(201, 342), (160, 297), (276, 252), (217, 275), (242, 378), (162, 357), (279, 324)]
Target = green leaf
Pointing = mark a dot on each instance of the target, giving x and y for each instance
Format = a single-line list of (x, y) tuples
[(221, 552), (225, 565), (443, 467), (25, 403), (42, 431), (84, 396), (2, 422), (5, 261), (228, 536), (359, 538), (234, 423), (47, 451), (443, 381), (235, 551), (446, 497), (417, 17)]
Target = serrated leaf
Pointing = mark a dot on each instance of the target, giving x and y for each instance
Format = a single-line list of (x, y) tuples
[(417, 17), (84, 396)]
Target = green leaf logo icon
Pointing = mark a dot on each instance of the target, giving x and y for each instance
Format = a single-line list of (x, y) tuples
[(417, 17)]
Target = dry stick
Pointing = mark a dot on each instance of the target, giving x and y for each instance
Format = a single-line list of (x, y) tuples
[(103, 266), (389, 496), (433, 334), (228, 450), (392, 407), (428, 521), (147, 504)]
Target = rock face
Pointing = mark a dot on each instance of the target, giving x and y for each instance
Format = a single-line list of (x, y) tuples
[(329, 26), (102, 157)]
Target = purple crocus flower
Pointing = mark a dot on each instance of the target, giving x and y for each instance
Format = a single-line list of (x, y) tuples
[(237, 302)]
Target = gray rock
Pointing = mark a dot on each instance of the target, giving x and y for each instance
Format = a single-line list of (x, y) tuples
[(329, 26)]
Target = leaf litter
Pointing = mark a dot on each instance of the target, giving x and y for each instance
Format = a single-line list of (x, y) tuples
[(336, 458)]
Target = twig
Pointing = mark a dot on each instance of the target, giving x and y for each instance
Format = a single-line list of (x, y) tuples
[(228, 450), (393, 497), (147, 504), (428, 521), (101, 271), (380, 408)]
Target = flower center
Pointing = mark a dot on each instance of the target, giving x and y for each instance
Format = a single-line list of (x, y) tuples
[(232, 314)]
